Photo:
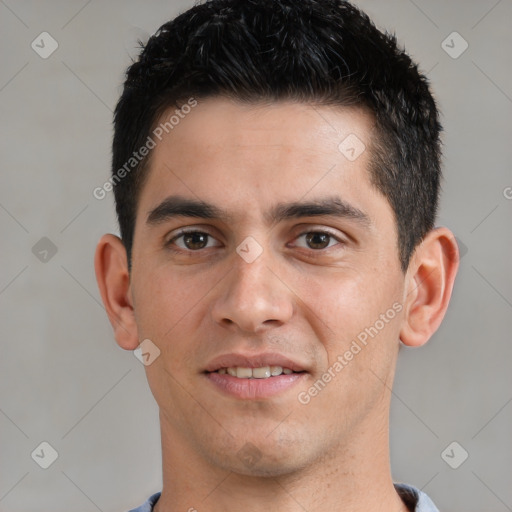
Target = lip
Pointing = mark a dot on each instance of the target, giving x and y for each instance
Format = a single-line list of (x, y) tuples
[(253, 361), (254, 389)]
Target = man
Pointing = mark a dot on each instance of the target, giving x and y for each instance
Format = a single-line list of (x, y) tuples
[(276, 168)]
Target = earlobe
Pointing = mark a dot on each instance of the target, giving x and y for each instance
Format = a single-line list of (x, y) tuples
[(113, 279), (431, 276)]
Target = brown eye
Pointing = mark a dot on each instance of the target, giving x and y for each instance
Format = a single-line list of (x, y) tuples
[(193, 241), (317, 240)]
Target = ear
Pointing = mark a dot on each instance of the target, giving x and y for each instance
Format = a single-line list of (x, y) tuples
[(430, 279), (112, 275)]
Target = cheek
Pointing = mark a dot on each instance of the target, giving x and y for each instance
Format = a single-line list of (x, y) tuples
[(356, 318), (167, 299), (343, 303), (360, 348)]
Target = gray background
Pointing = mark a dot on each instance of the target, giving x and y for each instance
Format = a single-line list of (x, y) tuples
[(65, 381)]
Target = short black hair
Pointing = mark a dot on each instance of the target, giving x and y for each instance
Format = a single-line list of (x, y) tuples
[(323, 52)]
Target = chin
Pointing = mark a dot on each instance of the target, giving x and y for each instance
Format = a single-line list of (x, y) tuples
[(265, 467), (263, 457)]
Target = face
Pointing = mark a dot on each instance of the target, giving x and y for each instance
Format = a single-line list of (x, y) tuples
[(260, 245)]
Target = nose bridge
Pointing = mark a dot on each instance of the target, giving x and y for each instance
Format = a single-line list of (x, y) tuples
[(252, 296)]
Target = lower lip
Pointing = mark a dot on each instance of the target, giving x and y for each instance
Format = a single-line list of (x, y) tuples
[(253, 389)]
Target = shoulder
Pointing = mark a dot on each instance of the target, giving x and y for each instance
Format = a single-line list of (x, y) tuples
[(416, 500), (148, 505)]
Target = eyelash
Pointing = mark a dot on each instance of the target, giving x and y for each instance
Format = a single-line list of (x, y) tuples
[(182, 233), (169, 244), (320, 232)]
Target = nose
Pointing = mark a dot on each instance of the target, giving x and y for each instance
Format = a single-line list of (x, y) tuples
[(253, 297)]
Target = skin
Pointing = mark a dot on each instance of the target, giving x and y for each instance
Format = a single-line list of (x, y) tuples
[(298, 298)]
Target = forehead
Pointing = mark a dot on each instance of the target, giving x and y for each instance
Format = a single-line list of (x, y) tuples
[(251, 155), (226, 123)]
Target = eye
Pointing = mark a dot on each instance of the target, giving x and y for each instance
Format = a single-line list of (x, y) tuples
[(316, 240), (193, 240)]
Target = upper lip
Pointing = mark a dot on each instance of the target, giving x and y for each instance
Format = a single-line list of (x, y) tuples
[(253, 361)]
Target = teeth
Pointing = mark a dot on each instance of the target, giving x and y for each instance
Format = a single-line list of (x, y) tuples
[(243, 373), (263, 372), (260, 373), (276, 370)]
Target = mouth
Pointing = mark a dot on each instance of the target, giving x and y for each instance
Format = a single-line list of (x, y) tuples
[(254, 377), (263, 372)]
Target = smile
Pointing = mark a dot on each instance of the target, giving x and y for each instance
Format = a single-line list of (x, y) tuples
[(264, 372)]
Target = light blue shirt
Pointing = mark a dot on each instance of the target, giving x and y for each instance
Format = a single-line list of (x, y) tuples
[(416, 500)]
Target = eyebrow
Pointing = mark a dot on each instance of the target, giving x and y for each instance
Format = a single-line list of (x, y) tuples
[(178, 206), (330, 206)]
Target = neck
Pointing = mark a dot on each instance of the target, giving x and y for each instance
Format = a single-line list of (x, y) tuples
[(354, 476)]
